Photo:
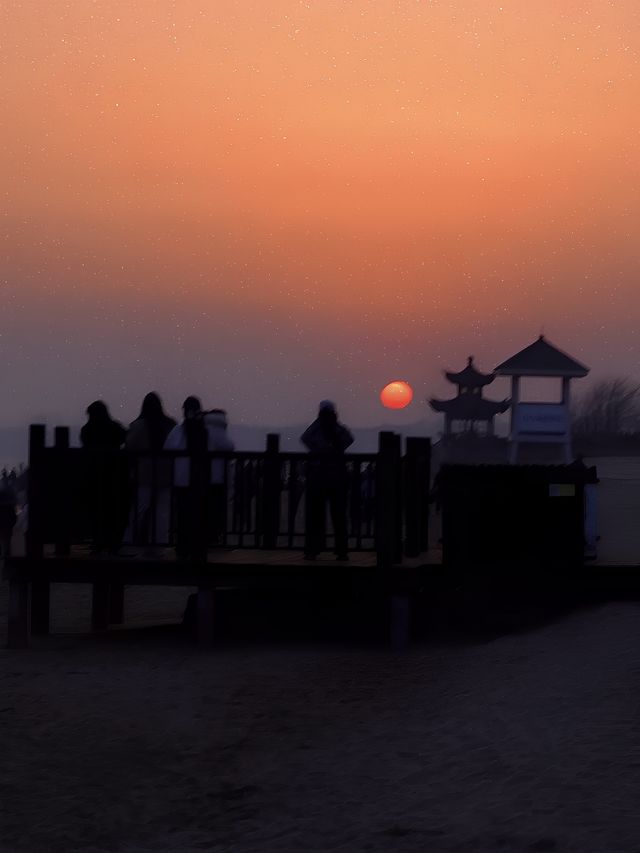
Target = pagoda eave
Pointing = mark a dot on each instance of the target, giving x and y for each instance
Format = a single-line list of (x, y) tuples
[(468, 408)]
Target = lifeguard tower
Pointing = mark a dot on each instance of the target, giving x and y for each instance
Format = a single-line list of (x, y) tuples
[(537, 423)]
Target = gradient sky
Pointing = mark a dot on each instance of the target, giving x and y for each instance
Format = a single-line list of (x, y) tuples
[(269, 203)]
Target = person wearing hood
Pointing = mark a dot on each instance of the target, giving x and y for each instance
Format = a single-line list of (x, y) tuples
[(147, 434), (106, 478), (327, 481)]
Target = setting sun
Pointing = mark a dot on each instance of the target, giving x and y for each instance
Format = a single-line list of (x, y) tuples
[(396, 395)]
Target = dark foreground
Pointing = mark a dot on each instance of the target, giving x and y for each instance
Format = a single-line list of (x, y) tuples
[(297, 738)]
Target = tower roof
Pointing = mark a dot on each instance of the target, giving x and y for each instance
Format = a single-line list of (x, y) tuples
[(541, 359), (470, 377), (469, 407)]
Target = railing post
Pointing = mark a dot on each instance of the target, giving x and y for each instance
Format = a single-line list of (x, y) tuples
[(271, 493), (37, 593), (399, 496), (387, 498), (417, 471), (36, 491), (62, 507)]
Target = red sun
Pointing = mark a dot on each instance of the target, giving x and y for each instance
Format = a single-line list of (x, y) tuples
[(396, 395)]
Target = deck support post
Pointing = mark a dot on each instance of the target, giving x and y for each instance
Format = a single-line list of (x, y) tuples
[(205, 615), (100, 600), (40, 606), (19, 627)]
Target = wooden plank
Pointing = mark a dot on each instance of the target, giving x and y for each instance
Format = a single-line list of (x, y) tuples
[(262, 564), (19, 627)]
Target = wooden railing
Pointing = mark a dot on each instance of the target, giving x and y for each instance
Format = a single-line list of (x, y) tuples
[(259, 501)]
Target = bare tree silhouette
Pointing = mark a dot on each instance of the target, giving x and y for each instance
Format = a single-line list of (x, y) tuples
[(610, 408)]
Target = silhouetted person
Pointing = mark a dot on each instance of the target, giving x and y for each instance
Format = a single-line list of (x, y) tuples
[(106, 478), (327, 481), (190, 480), (215, 422), (148, 433)]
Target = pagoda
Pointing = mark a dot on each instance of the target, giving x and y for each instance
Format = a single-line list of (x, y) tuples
[(469, 408)]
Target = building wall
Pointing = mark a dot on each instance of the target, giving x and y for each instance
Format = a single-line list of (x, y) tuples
[(618, 508)]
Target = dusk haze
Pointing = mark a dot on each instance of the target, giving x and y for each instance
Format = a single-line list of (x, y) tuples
[(268, 204)]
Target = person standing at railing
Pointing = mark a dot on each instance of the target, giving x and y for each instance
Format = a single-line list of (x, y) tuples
[(107, 482), (327, 481), (215, 422), (190, 478), (147, 434)]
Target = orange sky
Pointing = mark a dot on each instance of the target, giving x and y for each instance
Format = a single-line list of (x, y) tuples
[(271, 203)]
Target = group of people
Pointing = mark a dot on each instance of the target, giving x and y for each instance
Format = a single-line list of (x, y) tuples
[(151, 432), (198, 494)]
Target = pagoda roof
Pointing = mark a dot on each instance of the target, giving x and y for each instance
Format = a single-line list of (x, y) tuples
[(541, 359), (470, 407), (470, 377)]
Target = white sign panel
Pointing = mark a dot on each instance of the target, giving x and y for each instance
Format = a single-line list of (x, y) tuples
[(538, 421)]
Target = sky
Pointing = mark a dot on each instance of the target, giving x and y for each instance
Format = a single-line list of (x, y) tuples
[(271, 203)]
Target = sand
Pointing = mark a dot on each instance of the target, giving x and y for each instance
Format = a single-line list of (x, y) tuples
[(137, 742)]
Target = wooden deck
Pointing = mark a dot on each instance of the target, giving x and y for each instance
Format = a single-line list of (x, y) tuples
[(263, 566), (30, 581)]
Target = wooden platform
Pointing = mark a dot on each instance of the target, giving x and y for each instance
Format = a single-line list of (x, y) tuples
[(30, 580), (131, 564)]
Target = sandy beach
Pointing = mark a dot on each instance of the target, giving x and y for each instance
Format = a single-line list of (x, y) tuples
[(138, 742)]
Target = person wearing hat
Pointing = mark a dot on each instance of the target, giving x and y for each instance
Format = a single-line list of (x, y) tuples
[(327, 481)]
